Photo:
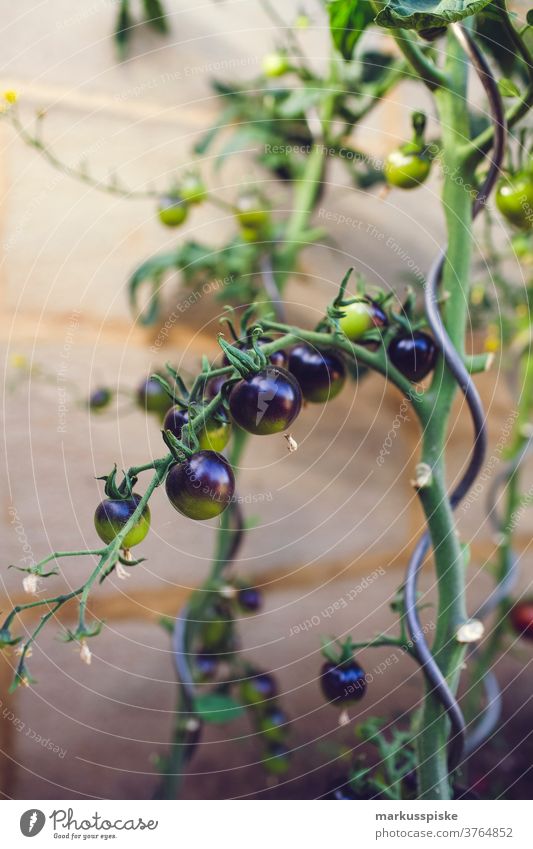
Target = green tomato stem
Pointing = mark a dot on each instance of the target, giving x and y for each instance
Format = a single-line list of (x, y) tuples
[(432, 739)]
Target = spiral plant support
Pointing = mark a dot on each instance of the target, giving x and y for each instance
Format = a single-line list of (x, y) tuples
[(431, 670)]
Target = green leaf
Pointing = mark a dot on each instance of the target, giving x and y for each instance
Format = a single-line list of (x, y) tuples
[(508, 88), (348, 20), (423, 15), (123, 28), (299, 101), (155, 16), (217, 708), (330, 649)]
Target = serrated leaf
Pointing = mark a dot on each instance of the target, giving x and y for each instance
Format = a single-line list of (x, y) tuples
[(508, 88), (348, 19), (423, 15), (217, 708)]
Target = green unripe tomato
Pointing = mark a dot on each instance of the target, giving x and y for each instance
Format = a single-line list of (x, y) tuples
[(251, 214), (193, 189), (276, 760), (249, 234), (172, 210), (514, 199), (112, 514), (275, 64), (357, 319), (152, 398), (274, 725), (407, 167)]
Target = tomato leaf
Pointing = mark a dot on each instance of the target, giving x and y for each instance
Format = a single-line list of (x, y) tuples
[(155, 16), (348, 19), (508, 88), (423, 15), (217, 708), (123, 28)]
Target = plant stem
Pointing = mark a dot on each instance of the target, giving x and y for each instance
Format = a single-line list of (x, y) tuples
[(432, 739), (514, 453)]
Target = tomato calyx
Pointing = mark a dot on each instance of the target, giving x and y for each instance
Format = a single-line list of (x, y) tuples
[(361, 318), (122, 491)]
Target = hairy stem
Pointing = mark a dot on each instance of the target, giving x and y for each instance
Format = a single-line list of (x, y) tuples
[(432, 739)]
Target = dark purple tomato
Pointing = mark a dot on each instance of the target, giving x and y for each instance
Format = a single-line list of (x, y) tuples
[(521, 616), (321, 374), (152, 397), (343, 683), (414, 355), (273, 724), (249, 599), (276, 760), (213, 436), (202, 486), (266, 402), (258, 688), (100, 399), (206, 665), (112, 514)]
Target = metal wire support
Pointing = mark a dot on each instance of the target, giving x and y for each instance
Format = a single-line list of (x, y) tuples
[(456, 366)]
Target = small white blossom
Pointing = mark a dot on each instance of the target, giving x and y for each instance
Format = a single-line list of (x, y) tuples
[(31, 584), (292, 445), (122, 573), (344, 718), (85, 653)]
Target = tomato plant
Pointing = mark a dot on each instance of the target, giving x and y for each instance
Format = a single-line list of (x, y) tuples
[(365, 328)]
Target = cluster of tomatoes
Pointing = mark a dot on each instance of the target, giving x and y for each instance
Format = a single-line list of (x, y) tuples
[(173, 208), (265, 402), (250, 210), (258, 693)]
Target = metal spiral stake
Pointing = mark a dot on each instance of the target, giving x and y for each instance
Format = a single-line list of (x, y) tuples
[(455, 365)]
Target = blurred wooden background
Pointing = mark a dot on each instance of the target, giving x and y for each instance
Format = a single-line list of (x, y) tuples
[(328, 516)]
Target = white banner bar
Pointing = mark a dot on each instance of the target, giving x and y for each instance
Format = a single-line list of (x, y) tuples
[(255, 824)]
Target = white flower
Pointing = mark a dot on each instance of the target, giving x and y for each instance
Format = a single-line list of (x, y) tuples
[(85, 653), (121, 572), (292, 445), (31, 584)]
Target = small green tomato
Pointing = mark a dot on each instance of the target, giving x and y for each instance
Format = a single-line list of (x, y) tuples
[(357, 319), (275, 64), (193, 189), (407, 167), (172, 210), (514, 199)]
